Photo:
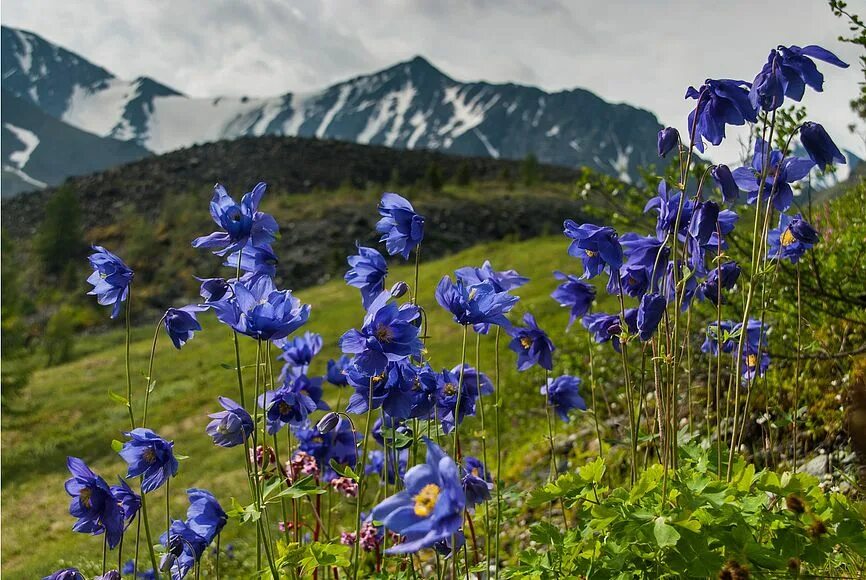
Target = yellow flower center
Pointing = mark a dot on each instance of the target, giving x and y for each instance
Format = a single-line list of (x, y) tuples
[(787, 238), (426, 500), (284, 408), (590, 254), (752, 360), (450, 389), (85, 497), (475, 472), (472, 293), (149, 455), (377, 378), (525, 342), (384, 333)]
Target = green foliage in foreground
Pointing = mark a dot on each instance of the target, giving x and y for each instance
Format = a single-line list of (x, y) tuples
[(695, 523)]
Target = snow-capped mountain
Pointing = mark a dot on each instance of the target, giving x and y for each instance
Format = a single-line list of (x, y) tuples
[(410, 105)]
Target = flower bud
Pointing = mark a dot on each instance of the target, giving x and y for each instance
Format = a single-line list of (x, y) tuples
[(668, 139), (328, 423), (725, 180), (399, 289), (819, 145)]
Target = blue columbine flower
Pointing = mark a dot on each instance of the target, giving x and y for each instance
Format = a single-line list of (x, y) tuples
[(819, 145), (424, 392), (477, 483), (214, 289), (430, 508), (254, 260), (723, 177), (781, 171), (184, 548), (563, 395), (787, 72), (149, 455), (205, 516), (392, 389), (596, 246), (502, 281), (531, 344), (310, 386), (634, 281), (671, 287), (447, 400), (477, 383), (339, 444), (230, 427), (791, 239), (402, 229), (755, 364), (181, 324), (110, 279), (389, 334), (242, 223), (128, 500), (261, 311), (668, 139), (709, 288), (608, 327), (720, 102), (285, 406), (716, 334), (704, 223), (649, 314), (299, 351), (667, 203), (367, 271), (65, 574), (575, 294), (336, 374), (93, 503), (477, 304)]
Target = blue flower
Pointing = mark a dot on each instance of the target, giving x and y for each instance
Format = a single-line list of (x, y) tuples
[(575, 294), (181, 324), (781, 171), (476, 481), (563, 395), (755, 364), (299, 351), (392, 389), (149, 455), (608, 327), (285, 406), (93, 503), (720, 102), (680, 288), (402, 229), (336, 374), (714, 336), (255, 260), (668, 139), (230, 427), (819, 145), (184, 548), (447, 400), (634, 280), (709, 288), (723, 177), (787, 72), (425, 390), (340, 444), (430, 508), (65, 574), (476, 383), (367, 271), (791, 239), (310, 386), (128, 500), (649, 314), (261, 311), (376, 464), (531, 344), (501, 281), (667, 203), (242, 223), (389, 334), (110, 279), (205, 516), (213, 289), (596, 246), (477, 304)]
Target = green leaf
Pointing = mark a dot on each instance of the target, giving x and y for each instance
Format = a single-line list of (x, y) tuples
[(116, 445), (666, 535), (648, 481), (118, 398), (344, 470), (593, 472)]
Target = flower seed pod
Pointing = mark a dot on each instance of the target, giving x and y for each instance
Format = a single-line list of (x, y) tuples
[(399, 289), (328, 423)]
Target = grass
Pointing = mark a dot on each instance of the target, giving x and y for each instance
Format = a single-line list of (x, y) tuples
[(65, 410)]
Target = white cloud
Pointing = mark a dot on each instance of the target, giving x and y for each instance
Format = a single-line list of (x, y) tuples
[(643, 53)]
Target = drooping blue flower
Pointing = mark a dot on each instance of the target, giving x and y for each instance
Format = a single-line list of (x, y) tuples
[(214, 289), (285, 406), (649, 314), (477, 383), (719, 102), (376, 464), (367, 271), (298, 352), (93, 503), (596, 246), (392, 389), (402, 229), (339, 444), (389, 334), (425, 389), (254, 260), (755, 364), (709, 288), (430, 507), (723, 177), (704, 223), (310, 386), (205, 516), (336, 374), (608, 327), (634, 281), (667, 204), (819, 145), (787, 72), (756, 335), (791, 239), (65, 574), (644, 266), (781, 171), (450, 392), (149, 455), (241, 224), (230, 427), (181, 324), (668, 139), (477, 304), (680, 288), (128, 500), (502, 281), (716, 334), (184, 548), (477, 483), (563, 395), (261, 311), (531, 344), (575, 294), (110, 279)]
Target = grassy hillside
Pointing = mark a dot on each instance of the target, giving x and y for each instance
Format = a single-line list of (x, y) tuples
[(65, 410)]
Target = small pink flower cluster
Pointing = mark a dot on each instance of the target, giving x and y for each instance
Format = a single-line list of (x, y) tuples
[(302, 464), (346, 486)]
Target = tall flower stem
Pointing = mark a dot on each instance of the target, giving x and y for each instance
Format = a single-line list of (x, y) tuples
[(592, 392), (554, 472), (627, 378), (417, 268), (147, 534), (498, 482), (168, 505), (796, 414), (483, 448), (149, 378), (128, 372), (460, 395), (362, 486)]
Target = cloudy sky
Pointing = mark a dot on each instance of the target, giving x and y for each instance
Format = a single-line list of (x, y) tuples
[(642, 52)]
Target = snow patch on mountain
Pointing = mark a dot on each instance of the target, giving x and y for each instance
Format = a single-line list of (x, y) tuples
[(30, 141)]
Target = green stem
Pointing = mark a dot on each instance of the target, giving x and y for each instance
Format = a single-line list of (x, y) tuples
[(483, 447), (363, 485), (498, 448), (150, 384), (128, 372), (147, 534)]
